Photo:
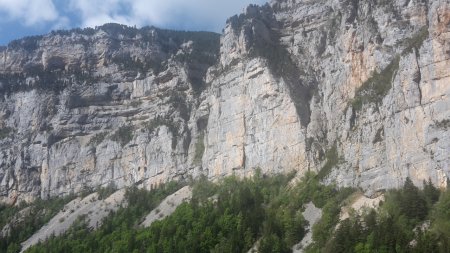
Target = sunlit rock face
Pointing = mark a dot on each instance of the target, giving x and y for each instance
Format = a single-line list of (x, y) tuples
[(85, 108), (358, 90)]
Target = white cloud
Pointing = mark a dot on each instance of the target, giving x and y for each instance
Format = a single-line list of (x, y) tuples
[(206, 13), (99, 12), (178, 14), (186, 14), (61, 23), (29, 12), (197, 13)]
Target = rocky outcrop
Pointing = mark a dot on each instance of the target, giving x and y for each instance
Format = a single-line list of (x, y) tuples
[(382, 104), (312, 214), (122, 117), (168, 206), (355, 90), (90, 210)]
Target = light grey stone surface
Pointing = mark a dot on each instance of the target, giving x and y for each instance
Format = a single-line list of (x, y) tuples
[(278, 98), (91, 209), (168, 206), (312, 214)]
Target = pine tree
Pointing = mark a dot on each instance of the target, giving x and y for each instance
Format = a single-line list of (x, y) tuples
[(431, 193), (412, 204)]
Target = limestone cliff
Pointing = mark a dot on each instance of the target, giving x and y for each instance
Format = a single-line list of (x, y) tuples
[(357, 91), (89, 107)]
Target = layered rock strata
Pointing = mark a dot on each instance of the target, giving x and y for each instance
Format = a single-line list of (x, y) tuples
[(357, 91)]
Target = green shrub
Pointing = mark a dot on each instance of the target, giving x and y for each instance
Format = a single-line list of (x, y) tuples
[(97, 139), (378, 136), (105, 192), (445, 124), (416, 41), (136, 103), (173, 127), (123, 135), (5, 132), (199, 149), (376, 87), (332, 158), (153, 124), (7, 212)]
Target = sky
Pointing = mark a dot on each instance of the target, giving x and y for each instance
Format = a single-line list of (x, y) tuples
[(19, 18)]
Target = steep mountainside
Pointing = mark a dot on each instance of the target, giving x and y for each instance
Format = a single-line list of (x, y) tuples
[(355, 90)]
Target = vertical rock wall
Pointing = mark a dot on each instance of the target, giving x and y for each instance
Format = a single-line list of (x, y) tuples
[(357, 91)]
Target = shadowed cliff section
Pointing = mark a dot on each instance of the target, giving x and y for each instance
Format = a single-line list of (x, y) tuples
[(262, 36), (86, 56)]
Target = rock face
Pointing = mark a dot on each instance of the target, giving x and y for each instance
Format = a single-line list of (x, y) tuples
[(112, 106), (358, 90), (168, 206)]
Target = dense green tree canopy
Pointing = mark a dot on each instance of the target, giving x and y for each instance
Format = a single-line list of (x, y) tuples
[(235, 214)]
